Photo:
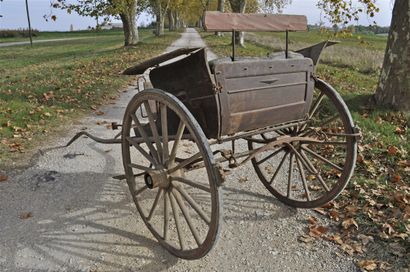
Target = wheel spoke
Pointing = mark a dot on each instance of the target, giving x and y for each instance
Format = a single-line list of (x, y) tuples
[(157, 199), (279, 167), (140, 167), (290, 173), (166, 215), (316, 173), (140, 190), (321, 125), (327, 142), (302, 175), (187, 217), (185, 163), (270, 156), (177, 222), (145, 137), (192, 184), (164, 130), (142, 151), (193, 204), (314, 154), (316, 105), (154, 129), (180, 131)]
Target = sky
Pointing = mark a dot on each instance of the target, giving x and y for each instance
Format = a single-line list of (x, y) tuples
[(14, 15)]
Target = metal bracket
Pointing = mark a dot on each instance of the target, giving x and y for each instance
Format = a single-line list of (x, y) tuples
[(357, 133)]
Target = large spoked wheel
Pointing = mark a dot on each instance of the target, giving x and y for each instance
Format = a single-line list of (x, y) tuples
[(316, 167), (179, 202)]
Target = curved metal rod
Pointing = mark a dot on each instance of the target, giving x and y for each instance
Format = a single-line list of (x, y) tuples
[(94, 138)]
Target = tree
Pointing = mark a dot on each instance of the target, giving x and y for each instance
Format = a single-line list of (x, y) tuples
[(159, 8), (221, 8), (393, 89), (174, 14), (251, 6), (394, 83), (126, 10), (238, 6)]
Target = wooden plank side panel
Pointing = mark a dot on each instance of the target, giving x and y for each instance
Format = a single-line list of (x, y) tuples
[(265, 117), (218, 21), (266, 98), (261, 93), (238, 84)]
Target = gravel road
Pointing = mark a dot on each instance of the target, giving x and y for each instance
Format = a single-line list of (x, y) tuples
[(67, 213)]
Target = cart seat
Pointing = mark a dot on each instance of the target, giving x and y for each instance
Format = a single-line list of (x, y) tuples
[(190, 80)]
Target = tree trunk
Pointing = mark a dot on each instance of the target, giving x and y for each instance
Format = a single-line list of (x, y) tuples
[(129, 23), (177, 20), (221, 8), (160, 24), (239, 6), (171, 21), (394, 84)]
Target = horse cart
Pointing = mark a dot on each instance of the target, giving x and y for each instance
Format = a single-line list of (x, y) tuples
[(200, 119)]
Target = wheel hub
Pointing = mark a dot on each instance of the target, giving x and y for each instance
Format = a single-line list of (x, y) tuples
[(157, 178)]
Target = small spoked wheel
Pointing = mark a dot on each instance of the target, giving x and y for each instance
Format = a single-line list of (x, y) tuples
[(171, 174), (314, 168)]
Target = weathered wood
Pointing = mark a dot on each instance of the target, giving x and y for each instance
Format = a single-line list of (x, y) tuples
[(263, 92), (217, 21)]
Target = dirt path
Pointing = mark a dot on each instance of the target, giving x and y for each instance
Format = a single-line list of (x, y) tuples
[(83, 220)]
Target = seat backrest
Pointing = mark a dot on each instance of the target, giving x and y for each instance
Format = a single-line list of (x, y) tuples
[(189, 79), (219, 21)]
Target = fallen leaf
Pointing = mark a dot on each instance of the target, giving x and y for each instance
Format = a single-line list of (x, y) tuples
[(306, 239), (347, 248), (368, 265), (3, 178), (99, 112), (334, 215), (312, 220), (317, 231), (26, 215), (320, 210), (396, 178), (349, 222), (392, 150), (242, 179), (388, 229), (365, 239), (336, 238)]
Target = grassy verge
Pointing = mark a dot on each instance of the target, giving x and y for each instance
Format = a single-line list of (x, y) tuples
[(62, 35), (43, 87), (371, 218)]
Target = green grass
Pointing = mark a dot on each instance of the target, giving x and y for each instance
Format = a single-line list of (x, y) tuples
[(356, 40), (43, 87), (60, 35)]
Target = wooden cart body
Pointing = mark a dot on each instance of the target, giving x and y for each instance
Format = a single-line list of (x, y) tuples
[(241, 95)]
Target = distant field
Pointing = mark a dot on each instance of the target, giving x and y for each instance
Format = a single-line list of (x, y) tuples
[(363, 52), (44, 87), (59, 35)]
